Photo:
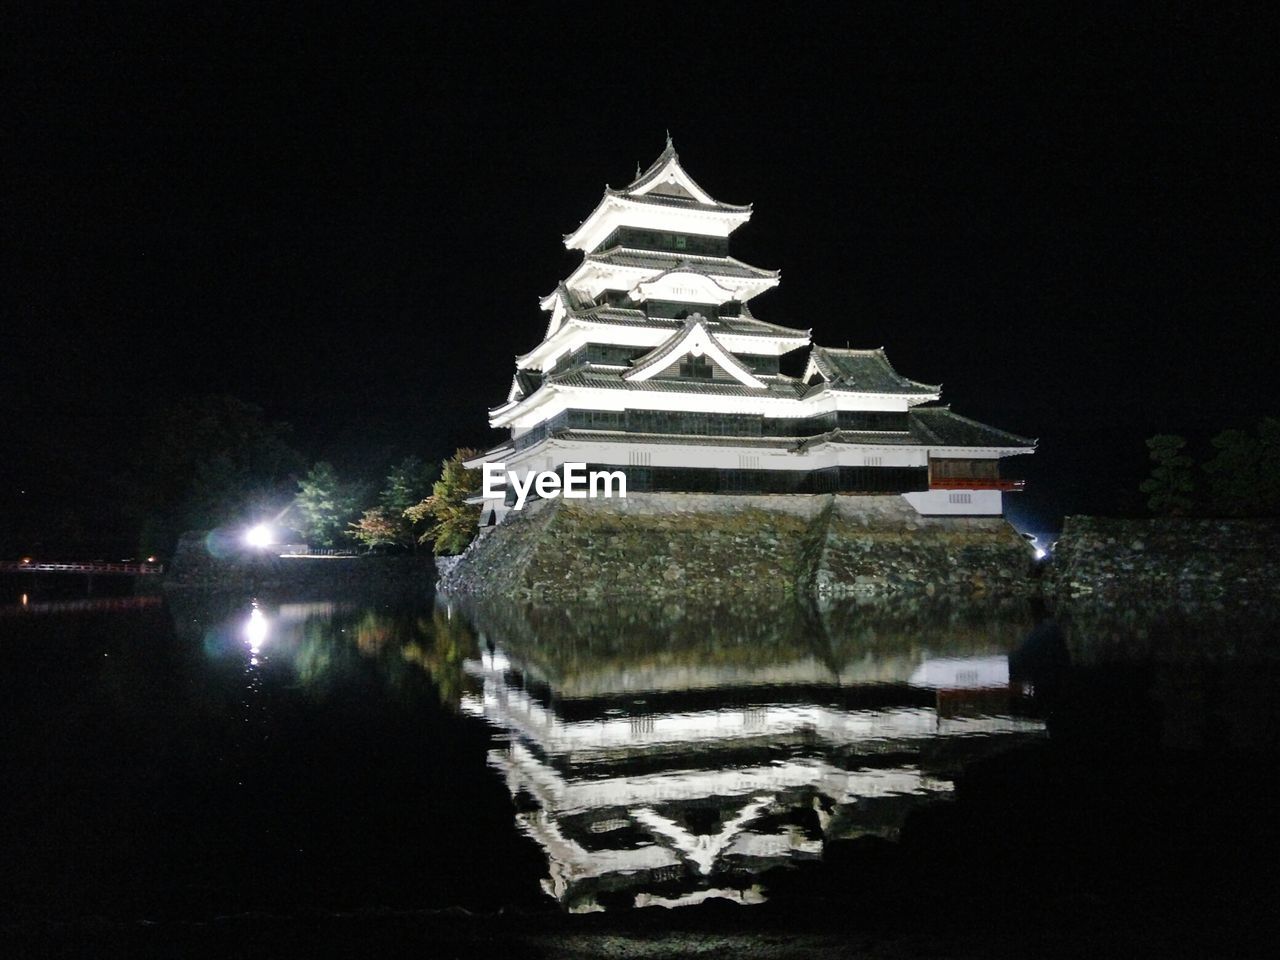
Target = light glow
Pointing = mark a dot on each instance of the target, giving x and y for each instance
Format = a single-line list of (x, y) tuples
[(260, 535)]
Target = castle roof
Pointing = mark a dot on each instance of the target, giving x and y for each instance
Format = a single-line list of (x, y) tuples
[(666, 262), (666, 181), (667, 185), (863, 371), (939, 425)]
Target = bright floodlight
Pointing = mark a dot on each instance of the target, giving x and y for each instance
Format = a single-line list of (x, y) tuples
[(260, 535)]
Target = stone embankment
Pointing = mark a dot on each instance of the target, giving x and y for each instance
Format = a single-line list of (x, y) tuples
[(658, 545), (200, 563), (1168, 559)]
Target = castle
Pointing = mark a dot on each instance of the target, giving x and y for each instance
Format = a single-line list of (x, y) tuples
[(654, 364)]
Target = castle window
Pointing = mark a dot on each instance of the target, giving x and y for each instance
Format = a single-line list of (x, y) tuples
[(698, 367)]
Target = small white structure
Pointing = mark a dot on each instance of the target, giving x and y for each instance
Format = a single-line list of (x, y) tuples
[(653, 363)]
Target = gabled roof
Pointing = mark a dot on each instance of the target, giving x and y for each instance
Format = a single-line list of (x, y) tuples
[(665, 184), (666, 180), (863, 371), (938, 425), (695, 338)]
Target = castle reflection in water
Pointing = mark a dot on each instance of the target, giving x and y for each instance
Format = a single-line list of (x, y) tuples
[(666, 756)]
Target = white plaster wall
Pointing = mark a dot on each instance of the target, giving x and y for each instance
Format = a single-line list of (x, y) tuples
[(939, 503), (714, 458)]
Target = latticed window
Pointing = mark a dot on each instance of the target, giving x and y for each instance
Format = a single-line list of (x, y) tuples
[(692, 366)]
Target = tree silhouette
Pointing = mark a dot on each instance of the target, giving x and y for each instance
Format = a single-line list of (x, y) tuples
[(1171, 487), (326, 504), (1244, 475)]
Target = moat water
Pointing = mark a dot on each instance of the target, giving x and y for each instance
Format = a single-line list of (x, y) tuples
[(188, 757)]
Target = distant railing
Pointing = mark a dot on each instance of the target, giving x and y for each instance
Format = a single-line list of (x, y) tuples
[(43, 566), (321, 552), (976, 483)]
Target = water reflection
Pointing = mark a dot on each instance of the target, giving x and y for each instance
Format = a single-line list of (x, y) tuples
[(386, 756), (667, 756), (317, 645)]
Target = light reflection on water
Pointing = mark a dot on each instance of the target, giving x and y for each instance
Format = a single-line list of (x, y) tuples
[(311, 646), (255, 632)]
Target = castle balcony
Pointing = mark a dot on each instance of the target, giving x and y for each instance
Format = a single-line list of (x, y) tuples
[(977, 483)]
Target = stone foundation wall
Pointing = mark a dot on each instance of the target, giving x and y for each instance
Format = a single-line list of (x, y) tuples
[(1167, 558), (661, 544)]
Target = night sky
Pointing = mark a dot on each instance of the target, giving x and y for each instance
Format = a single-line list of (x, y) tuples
[(1066, 219)]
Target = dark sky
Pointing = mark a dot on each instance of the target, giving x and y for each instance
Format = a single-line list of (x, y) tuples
[(1067, 218)]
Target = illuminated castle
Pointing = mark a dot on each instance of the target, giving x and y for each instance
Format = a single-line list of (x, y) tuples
[(654, 364)]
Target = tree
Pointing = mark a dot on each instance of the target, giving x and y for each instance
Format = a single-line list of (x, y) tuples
[(1269, 466), (326, 504), (1171, 486), (1243, 478), (407, 483), (377, 527), (390, 523), (451, 521)]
